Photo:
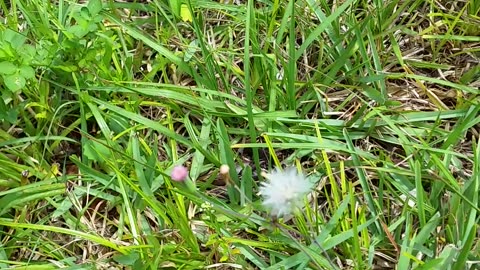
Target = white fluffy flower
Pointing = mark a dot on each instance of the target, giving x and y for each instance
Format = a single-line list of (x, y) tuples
[(284, 191)]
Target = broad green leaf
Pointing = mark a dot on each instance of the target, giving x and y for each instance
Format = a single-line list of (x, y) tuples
[(14, 38), (14, 82), (191, 50), (27, 72), (85, 13), (78, 30), (127, 259), (7, 68), (94, 6), (8, 114), (28, 52)]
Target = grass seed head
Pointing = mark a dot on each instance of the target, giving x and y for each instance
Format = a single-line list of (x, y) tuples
[(224, 169), (283, 191)]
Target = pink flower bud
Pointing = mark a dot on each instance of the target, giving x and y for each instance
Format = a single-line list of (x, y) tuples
[(179, 173)]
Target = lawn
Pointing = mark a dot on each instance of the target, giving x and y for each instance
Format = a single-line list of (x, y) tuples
[(240, 134)]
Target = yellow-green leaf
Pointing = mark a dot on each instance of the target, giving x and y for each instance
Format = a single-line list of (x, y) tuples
[(185, 13)]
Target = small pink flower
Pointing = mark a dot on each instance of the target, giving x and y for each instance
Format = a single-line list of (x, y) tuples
[(179, 173)]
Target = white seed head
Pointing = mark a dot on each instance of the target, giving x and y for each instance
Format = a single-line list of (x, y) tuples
[(224, 169), (284, 191)]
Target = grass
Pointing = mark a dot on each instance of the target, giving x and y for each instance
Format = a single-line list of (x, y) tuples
[(377, 102)]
